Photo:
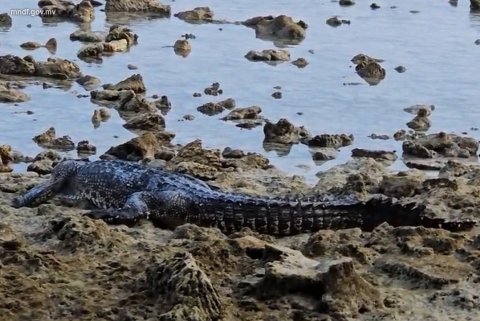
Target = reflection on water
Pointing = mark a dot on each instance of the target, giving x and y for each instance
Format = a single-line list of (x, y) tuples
[(435, 45)]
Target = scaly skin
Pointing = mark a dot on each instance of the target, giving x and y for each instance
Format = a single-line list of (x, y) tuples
[(127, 192)]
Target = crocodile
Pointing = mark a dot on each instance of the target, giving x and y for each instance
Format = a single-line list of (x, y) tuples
[(125, 192)]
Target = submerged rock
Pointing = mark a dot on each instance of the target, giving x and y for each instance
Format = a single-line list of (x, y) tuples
[(336, 21), (375, 154), (300, 62), (247, 115), (268, 55), (196, 15), (283, 132), (9, 95), (137, 6), (48, 139), (327, 140), (281, 28), (212, 109), (64, 9), (134, 83), (5, 20), (88, 82), (447, 145), (421, 121), (182, 47), (87, 36)]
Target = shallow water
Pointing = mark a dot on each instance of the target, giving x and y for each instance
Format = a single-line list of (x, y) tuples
[(436, 45)]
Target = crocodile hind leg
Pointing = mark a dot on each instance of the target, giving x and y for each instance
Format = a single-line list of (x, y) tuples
[(135, 208), (40, 193)]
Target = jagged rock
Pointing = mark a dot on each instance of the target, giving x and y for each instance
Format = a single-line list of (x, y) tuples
[(89, 82), (212, 109), (5, 158), (213, 89), (57, 68), (138, 148), (335, 284), (147, 122), (283, 132), (300, 62), (281, 28), (185, 288), (84, 147), (333, 141), (163, 104), (245, 117), (268, 55), (48, 139), (117, 32), (325, 154), (447, 145), (198, 14), (232, 153), (146, 6), (134, 83), (87, 36), (82, 12), (402, 184), (14, 65), (375, 154), (5, 20), (44, 162), (371, 72), (421, 121)]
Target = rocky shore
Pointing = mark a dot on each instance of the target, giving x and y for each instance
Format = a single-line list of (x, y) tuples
[(58, 264)]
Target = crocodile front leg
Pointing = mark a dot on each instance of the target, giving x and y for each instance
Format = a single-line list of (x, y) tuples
[(135, 208)]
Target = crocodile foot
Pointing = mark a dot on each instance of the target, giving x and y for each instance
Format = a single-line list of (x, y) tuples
[(116, 217)]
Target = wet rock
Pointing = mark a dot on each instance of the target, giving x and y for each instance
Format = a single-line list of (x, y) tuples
[(332, 141), (5, 20), (212, 109), (281, 27), (375, 154), (374, 6), (300, 62), (5, 158), (369, 69), (182, 47), (132, 67), (323, 155), (138, 148), (232, 153), (134, 83), (138, 6), (30, 45), (402, 184), (185, 288), (268, 55), (51, 45), (415, 109), (277, 95), (376, 136), (346, 2), (87, 36), (421, 121), (432, 165), (8, 95), (113, 46), (447, 145), (335, 21), (14, 65), (48, 139), (117, 32), (400, 69), (44, 162), (88, 82), (283, 132), (474, 4), (197, 15), (213, 89), (247, 115), (163, 104), (84, 147), (400, 135), (57, 68), (339, 288), (64, 9), (146, 122)]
